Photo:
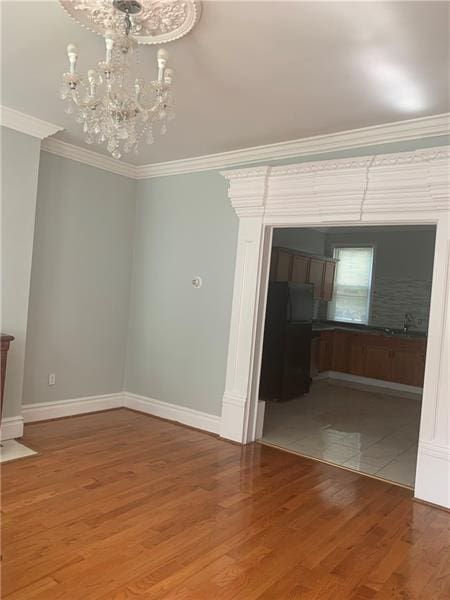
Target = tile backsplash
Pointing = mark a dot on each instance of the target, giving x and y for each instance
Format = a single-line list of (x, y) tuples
[(393, 297)]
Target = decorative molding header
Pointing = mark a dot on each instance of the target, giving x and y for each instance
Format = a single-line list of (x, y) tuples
[(19, 121), (88, 157), (320, 190)]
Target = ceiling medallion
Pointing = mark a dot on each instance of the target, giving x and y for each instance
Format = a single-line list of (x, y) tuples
[(114, 104), (154, 21)]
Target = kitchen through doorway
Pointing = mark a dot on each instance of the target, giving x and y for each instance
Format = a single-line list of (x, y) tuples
[(345, 345)]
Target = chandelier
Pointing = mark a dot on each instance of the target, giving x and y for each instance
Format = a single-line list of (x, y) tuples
[(114, 104)]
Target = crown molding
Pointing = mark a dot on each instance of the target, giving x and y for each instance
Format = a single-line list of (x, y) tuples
[(19, 121), (88, 157), (399, 131)]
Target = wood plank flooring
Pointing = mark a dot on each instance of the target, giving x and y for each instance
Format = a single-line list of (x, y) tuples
[(122, 506)]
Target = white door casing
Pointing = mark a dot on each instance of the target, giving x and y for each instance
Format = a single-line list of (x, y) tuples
[(388, 189)]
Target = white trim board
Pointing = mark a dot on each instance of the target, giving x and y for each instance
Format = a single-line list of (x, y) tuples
[(172, 412), (19, 121), (77, 406), (11, 428), (381, 384), (399, 131), (66, 408)]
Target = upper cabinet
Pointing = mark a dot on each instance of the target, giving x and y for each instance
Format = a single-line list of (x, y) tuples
[(281, 265), (296, 267), (300, 268), (328, 280)]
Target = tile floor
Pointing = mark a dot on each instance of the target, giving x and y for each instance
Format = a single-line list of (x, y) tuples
[(371, 432)]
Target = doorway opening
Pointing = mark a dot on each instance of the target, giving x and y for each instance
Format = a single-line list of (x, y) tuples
[(344, 345)]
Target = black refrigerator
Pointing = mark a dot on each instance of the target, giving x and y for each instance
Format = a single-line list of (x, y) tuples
[(285, 368)]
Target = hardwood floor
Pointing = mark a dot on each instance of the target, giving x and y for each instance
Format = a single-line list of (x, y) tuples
[(119, 505)]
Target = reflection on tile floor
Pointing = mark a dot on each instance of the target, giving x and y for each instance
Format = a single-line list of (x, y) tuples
[(371, 432)]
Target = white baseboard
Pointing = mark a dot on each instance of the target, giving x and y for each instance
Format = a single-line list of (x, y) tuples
[(433, 474), (370, 382), (67, 408), (78, 406), (173, 412), (11, 428)]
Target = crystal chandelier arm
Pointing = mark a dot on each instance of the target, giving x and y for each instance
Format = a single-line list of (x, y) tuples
[(72, 53), (162, 58), (109, 43), (92, 78)]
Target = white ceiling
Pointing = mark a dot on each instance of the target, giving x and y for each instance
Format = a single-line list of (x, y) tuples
[(252, 73)]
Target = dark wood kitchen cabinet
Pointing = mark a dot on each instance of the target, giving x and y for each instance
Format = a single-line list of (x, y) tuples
[(297, 267), (408, 364), (356, 355), (281, 266), (300, 268), (325, 351), (377, 361), (340, 344), (328, 280), (390, 358), (316, 276)]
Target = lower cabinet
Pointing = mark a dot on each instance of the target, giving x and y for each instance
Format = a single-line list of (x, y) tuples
[(325, 358), (356, 355), (408, 366), (341, 359), (377, 363), (376, 356)]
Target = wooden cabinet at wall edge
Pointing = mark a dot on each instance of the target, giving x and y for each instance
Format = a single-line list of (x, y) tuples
[(396, 359), (298, 267)]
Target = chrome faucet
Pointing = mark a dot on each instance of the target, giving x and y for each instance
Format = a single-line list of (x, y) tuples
[(408, 322)]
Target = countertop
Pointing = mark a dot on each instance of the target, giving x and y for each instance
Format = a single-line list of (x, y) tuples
[(388, 332)]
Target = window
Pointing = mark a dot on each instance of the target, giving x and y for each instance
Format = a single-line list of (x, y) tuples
[(351, 296)]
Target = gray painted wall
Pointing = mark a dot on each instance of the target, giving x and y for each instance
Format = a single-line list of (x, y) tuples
[(20, 163), (185, 226), (80, 283)]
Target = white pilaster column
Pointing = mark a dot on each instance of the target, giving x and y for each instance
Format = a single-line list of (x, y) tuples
[(433, 459), (247, 193)]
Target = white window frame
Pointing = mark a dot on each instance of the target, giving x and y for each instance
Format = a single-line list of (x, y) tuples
[(371, 278)]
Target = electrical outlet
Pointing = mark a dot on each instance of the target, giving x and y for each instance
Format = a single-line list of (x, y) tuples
[(51, 379)]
